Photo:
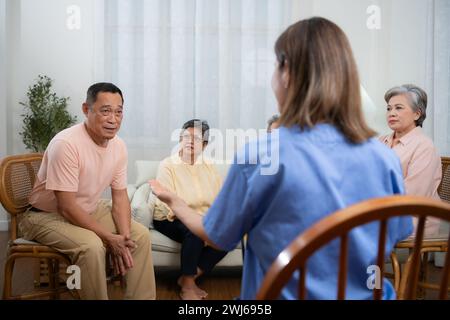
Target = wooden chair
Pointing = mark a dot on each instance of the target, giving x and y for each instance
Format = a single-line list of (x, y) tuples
[(444, 187), (337, 225), (17, 177), (438, 244)]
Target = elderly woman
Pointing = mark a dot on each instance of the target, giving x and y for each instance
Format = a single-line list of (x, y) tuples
[(196, 180), (421, 163), (328, 159)]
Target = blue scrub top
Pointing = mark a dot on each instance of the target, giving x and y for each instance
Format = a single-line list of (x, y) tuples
[(317, 172)]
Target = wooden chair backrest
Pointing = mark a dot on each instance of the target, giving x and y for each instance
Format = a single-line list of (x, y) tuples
[(444, 187), (338, 225), (17, 177)]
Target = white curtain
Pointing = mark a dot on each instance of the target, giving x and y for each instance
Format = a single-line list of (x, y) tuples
[(213, 59), (439, 80), (3, 110), (182, 59)]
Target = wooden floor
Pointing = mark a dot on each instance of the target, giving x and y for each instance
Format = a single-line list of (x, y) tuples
[(222, 284)]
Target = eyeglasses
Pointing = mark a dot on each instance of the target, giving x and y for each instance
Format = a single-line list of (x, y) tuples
[(188, 137)]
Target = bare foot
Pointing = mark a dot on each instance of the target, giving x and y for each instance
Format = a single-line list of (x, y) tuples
[(189, 294), (202, 293), (191, 285)]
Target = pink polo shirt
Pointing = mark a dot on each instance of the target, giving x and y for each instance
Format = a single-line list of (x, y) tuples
[(422, 168), (73, 162)]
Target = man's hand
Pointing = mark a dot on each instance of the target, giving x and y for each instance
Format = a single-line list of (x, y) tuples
[(121, 247)]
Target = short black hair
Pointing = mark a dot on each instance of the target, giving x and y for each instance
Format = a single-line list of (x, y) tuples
[(93, 91), (197, 123)]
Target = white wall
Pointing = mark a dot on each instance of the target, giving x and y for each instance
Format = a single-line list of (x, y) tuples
[(39, 42), (393, 55), (44, 45)]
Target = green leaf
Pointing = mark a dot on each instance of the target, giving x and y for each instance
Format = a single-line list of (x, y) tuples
[(45, 115)]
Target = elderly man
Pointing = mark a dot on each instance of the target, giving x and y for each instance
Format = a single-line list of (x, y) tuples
[(67, 214)]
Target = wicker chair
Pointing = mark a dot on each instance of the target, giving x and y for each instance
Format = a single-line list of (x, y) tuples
[(428, 245), (337, 225), (444, 187), (17, 177)]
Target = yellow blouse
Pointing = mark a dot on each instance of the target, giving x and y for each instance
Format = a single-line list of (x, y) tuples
[(197, 184)]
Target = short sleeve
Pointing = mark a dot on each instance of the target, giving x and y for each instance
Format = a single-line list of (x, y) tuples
[(62, 167), (120, 177), (230, 216)]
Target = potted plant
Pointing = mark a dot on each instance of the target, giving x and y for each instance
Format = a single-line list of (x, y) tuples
[(46, 114)]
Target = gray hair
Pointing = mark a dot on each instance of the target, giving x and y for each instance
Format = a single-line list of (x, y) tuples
[(417, 98)]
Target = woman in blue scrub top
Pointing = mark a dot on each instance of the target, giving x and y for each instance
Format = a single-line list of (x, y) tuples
[(323, 158)]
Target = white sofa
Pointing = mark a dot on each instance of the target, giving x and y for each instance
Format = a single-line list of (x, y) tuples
[(166, 252)]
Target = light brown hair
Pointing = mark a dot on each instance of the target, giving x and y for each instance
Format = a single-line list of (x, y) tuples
[(324, 84)]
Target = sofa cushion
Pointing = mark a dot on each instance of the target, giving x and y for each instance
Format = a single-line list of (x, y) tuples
[(145, 170), (164, 244), (142, 205)]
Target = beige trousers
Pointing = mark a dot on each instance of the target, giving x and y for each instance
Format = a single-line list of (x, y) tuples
[(87, 251)]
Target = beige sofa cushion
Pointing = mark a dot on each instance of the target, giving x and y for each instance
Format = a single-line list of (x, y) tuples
[(142, 205), (162, 243), (145, 170)]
